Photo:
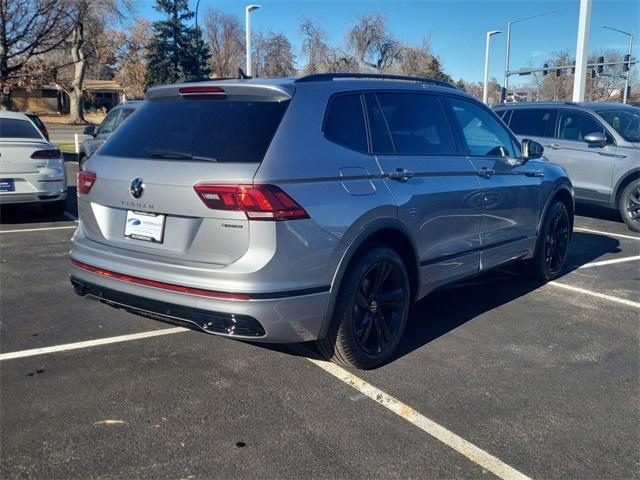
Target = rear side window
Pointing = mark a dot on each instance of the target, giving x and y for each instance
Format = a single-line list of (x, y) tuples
[(345, 122), (15, 128), (409, 124), (224, 130), (537, 122)]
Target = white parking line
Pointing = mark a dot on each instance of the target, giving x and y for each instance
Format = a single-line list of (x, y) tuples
[(437, 431), (600, 232), (38, 229), (610, 262), (91, 343), (604, 296)]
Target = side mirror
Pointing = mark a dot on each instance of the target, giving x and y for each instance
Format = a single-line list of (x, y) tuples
[(596, 139), (90, 130), (531, 150)]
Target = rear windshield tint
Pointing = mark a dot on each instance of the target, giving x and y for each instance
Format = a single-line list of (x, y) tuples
[(14, 128), (228, 131)]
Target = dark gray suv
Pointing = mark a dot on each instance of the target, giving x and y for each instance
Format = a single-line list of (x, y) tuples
[(598, 144), (317, 208)]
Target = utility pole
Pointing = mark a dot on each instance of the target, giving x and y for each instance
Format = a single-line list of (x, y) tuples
[(247, 18), (485, 92), (580, 78), (628, 66)]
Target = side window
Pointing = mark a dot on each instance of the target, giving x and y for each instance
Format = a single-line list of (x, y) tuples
[(109, 122), (484, 135), (416, 125), (344, 123), (124, 115), (575, 125), (537, 122)]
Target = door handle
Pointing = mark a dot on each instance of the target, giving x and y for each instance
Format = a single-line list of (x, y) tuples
[(534, 173), (486, 173), (401, 174), (555, 146)]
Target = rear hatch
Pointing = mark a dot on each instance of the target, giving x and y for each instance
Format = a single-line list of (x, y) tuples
[(143, 197)]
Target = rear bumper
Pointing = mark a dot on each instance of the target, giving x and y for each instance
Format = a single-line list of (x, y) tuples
[(276, 319), (50, 185)]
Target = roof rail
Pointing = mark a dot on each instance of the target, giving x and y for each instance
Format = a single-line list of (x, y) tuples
[(321, 77)]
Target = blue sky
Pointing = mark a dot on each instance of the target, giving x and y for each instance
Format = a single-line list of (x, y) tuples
[(456, 28)]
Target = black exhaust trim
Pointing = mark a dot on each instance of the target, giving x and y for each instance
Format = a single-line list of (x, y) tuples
[(211, 322)]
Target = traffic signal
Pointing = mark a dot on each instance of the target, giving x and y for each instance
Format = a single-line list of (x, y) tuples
[(545, 72), (625, 66), (573, 69), (593, 73), (600, 64), (558, 72)]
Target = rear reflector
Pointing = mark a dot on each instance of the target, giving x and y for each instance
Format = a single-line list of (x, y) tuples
[(202, 91), (258, 202), (164, 286), (46, 154), (86, 180)]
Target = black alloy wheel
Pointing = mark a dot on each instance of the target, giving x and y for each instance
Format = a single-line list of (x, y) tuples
[(556, 241)]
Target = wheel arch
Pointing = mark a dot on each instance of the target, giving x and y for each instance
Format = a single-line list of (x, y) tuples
[(622, 184), (387, 232), (563, 193)]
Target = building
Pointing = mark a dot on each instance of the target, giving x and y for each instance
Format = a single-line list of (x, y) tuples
[(50, 99)]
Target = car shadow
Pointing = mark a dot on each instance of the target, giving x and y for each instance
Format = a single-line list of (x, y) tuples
[(442, 311), (20, 214), (601, 213)]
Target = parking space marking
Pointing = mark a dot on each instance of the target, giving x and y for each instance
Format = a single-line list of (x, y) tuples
[(604, 296), (21, 230), (91, 343), (610, 262), (437, 431), (600, 232)]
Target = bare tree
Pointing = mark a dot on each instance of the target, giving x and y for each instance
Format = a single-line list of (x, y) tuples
[(225, 36), (273, 56), (29, 29), (131, 55), (321, 57), (373, 44)]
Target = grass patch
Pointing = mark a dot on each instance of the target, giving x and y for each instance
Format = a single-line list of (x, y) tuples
[(67, 147)]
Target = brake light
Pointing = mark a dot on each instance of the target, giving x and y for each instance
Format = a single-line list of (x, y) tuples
[(86, 180), (258, 202), (201, 90), (46, 154)]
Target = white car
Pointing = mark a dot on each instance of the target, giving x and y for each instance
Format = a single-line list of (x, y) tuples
[(31, 169)]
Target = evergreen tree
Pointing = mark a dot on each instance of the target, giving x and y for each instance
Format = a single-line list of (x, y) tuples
[(176, 51)]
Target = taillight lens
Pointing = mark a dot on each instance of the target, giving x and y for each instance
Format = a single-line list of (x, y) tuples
[(86, 180), (258, 202), (46, 154)]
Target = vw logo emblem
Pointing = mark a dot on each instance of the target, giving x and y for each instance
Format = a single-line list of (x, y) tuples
[(137, 187)]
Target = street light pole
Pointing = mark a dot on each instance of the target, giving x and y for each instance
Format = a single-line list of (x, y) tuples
[(580, 77), (508, 48), (626, 78), (485, 92), (247, 17)]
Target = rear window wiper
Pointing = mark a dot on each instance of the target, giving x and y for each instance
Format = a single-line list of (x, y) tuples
[(170, 155)]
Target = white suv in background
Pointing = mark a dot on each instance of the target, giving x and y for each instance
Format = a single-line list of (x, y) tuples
[(31, 169)]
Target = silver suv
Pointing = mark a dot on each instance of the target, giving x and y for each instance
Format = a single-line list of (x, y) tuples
[(317, 208), (598, 144)]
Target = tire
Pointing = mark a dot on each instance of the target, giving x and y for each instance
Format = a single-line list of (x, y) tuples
[(629, 205), (552, 245), (371, 311), (56, 208)]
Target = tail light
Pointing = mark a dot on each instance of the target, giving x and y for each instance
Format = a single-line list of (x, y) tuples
[(46, 154), (86, 180), (258, 202), (203, 91)]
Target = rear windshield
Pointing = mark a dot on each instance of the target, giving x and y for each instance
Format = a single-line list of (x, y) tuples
[(15, 128), (226, 131)]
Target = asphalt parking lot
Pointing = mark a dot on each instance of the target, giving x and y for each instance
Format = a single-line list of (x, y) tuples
[(497, 376)]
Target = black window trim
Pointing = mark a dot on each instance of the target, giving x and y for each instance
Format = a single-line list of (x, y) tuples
[(457, 145), (460, 133), (556, 130), (327, 110)]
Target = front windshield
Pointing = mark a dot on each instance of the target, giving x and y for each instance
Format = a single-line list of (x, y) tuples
[(625, 122)]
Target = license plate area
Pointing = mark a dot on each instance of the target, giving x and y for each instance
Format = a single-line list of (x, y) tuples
[(145, 226), (7, 185)]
